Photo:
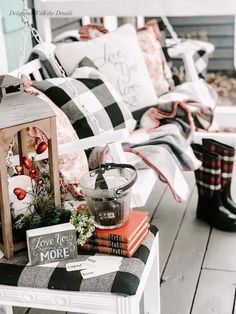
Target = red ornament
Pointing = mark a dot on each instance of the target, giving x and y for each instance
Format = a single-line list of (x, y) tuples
[(81, 207), (41, 147), (18, 168), (34, 174), (27, 162), (20, 193)]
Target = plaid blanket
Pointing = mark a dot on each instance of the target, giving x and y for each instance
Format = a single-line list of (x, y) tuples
[(191, 114), (166, 148), (16, 272), (161, 143)]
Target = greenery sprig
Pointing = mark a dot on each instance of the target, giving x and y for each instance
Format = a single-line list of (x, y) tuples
[(83, 222)]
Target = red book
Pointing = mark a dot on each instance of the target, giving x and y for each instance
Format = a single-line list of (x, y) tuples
[(117, 244), (116, 251), (127, 232)]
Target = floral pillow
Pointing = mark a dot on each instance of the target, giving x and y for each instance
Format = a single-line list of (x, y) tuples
[(154, 58), (91, 31), (72, 165)]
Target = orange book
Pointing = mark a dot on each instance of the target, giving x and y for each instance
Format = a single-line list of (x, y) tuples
[(116, 251), (125, 233), (117, 244)]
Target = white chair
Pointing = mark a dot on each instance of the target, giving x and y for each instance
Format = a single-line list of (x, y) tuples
[(148, 287), (106, 301)]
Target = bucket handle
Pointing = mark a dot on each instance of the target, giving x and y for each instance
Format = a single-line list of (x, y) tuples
[(104, 167)]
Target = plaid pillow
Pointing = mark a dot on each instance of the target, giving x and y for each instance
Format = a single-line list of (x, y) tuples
[(97, 95)]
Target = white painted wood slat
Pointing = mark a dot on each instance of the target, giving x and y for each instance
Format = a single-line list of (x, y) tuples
[(167, 218), (140, 21), (155, 197), (37, 76), (221, 252), (81, 144), (86, 20), (110, 22), (29, 68), (215, 293), (143, 187), (6, 309), (183, 269)]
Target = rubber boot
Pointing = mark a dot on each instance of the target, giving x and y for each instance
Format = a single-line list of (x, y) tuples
[(227, 163), (208, 179)]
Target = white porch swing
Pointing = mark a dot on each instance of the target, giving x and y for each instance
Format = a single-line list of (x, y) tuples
[(111, 10)]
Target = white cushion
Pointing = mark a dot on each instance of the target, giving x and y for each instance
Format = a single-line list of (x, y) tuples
[(119, 57)]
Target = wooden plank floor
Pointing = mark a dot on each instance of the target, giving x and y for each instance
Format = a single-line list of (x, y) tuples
[(199, 271), (197, 263)]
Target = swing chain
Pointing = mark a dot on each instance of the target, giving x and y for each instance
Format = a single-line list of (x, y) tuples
[(10, 154), (80, 102), (166, 22), (74, 90)]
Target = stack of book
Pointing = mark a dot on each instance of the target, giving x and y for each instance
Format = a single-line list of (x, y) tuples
[(122, 241)]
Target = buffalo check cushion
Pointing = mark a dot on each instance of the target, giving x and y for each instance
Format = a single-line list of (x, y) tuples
[(16, 272), (97, 96)]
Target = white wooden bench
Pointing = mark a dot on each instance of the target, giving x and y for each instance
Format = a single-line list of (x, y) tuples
[(110, 11)]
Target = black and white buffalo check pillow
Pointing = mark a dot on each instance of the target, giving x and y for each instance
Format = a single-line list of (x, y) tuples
[(96, 93)]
